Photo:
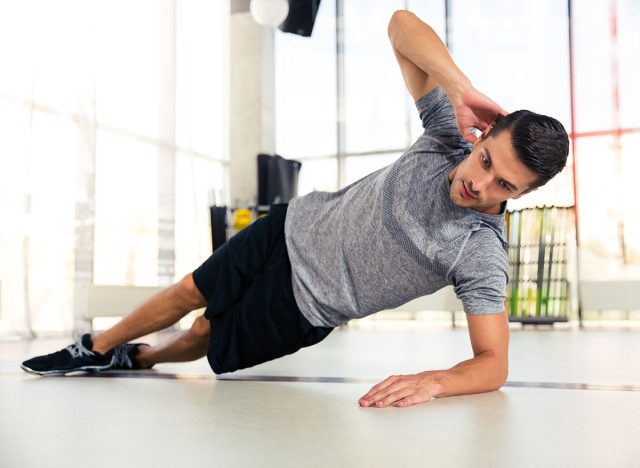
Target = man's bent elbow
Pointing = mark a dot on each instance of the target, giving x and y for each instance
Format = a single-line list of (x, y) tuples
[(498, 372), (396, 19), (502, 379)]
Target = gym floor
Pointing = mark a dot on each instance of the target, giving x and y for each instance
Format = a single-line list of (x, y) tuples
[(572, 399)]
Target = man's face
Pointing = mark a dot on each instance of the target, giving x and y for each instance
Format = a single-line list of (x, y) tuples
[(491, 174)]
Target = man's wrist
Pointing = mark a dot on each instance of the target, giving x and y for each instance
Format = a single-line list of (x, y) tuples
[(482, 373), (435, 381), (456, 88)]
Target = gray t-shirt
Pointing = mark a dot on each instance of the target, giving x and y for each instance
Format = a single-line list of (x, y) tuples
[(396, 235)]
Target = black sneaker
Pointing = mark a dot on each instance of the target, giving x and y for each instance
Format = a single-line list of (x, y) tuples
[(124, 357), (76, 357)]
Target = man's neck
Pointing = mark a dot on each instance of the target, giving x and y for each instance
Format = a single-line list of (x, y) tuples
[(494, 210)]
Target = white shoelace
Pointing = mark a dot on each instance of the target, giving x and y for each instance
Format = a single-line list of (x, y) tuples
[(121, 357), (77, 349)]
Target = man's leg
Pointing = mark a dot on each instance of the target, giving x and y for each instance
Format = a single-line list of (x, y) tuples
[(187, 345), (159, 312), (93, 353)]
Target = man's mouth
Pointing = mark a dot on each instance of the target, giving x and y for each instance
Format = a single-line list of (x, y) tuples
[(465, 192)]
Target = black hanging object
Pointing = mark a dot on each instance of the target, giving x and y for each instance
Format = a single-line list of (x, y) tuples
[(301, 17)]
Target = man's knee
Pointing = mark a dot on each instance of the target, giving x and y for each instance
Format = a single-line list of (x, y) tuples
[(189, 292), (201, 327)]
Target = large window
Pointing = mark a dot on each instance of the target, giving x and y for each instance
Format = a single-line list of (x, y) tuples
[(374, 104), (607, 68), (341, 106), (515, 52), (306, 90), (113, 134)]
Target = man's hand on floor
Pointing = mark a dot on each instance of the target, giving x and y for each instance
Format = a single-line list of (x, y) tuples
[(402, 390), (475, 110)]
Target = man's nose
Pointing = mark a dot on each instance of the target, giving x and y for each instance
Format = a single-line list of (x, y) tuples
[(479, 184)]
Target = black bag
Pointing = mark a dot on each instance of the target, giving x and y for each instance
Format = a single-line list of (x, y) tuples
[(277, 180)]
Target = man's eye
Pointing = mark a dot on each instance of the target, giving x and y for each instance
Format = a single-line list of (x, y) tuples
[(485, 161), (504, 186)]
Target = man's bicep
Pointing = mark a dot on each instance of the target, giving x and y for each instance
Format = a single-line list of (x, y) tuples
[(489, 333), (418, 82)]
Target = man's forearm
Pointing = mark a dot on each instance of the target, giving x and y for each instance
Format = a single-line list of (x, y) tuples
[(483, 373), (418, 43)]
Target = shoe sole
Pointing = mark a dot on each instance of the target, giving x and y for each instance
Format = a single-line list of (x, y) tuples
[(68, 371)]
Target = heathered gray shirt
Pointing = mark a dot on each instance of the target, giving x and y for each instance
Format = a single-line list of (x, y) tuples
[(396, 235)]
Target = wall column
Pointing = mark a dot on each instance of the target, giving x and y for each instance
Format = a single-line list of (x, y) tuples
[(252, 104)]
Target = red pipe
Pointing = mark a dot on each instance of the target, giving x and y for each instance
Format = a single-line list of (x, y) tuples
[(573, 135), (612, 132), (615, 82)]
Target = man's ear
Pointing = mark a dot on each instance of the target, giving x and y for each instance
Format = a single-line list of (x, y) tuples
[(483, 136), (480, 139), (529, 190)]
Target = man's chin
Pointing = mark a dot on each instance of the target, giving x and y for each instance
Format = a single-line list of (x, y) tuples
[(463, 202)]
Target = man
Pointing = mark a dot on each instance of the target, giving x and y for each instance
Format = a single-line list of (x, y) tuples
[(434, 217)]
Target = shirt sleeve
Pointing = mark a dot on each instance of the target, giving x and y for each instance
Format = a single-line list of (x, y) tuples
[(481, 274), (439, 121)]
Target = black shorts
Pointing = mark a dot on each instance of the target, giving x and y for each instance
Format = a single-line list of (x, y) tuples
[(250, 304)]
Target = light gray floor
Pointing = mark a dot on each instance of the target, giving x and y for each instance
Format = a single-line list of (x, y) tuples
[(180, 415)]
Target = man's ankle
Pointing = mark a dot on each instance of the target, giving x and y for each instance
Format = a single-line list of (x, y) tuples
[(98, 345)]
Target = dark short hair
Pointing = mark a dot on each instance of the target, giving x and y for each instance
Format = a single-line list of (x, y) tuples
[(541, 142)]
